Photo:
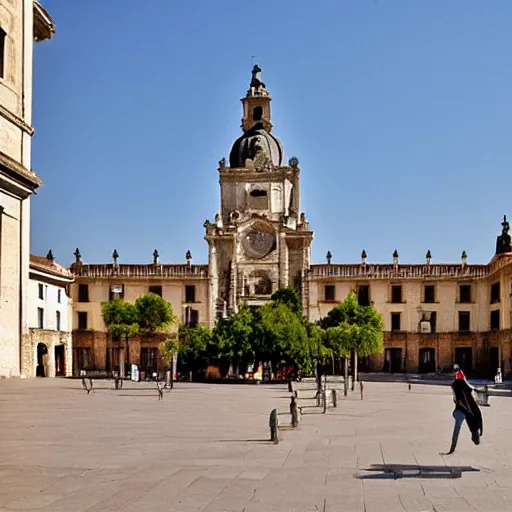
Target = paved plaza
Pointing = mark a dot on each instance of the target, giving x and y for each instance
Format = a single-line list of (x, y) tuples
[(205, 448)]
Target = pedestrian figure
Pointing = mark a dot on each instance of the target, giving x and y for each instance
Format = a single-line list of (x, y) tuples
[(467, 409)]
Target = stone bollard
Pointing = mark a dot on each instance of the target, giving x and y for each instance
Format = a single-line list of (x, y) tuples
[(295, 413), (334, 396), (361, 387), (273, 424)]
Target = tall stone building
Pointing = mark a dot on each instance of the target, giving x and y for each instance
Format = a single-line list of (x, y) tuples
[(434, 314), (21, 23), (260, 241)]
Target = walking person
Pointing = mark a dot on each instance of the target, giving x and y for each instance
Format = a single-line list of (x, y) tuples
[(467, 409)]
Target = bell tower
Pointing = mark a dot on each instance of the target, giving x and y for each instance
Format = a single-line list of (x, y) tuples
[(260, 240), (256, 104)]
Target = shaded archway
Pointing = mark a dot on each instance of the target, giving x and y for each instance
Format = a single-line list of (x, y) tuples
[(60, 360), (42, 360)]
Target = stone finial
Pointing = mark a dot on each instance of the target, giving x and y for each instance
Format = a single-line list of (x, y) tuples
[(364, 256), (428, 257), (78, 256), (293, 162), (50, 256), (222, 163), (155, 257), (188, 257), (328, 257), (115, 256), (395, 257), (504, 241), (464, 258)]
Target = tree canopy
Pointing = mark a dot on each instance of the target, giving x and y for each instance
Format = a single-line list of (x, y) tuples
[(120, 318), (351, 326), (289, 297), (153, 313)]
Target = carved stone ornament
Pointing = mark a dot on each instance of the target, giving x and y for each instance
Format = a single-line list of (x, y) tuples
[(258, 244)]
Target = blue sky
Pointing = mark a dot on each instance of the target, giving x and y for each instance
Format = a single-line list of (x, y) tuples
[(399, 111)]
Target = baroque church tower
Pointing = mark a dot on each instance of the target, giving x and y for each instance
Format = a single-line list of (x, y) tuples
[(260, 240)]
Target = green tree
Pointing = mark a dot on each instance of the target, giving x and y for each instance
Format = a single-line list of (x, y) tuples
[(233, 338), (356, 328), (285, 339), (289, 297), (121, 319), (195, 346), (168, 349), (153, 313)]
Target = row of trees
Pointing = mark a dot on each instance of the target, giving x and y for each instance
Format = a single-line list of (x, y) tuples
[(276, 333)]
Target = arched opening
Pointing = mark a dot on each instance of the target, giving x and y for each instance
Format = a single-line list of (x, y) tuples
[(60, 361), (42, 360), (258, 283), (257, 113)]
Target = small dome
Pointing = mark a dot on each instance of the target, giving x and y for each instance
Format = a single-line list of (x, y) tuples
[(253, 141)]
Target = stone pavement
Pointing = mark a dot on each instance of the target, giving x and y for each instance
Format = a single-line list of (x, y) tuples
[(205, 448)]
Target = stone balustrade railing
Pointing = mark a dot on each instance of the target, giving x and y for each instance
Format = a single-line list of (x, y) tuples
[(183, 271), (390, 271)]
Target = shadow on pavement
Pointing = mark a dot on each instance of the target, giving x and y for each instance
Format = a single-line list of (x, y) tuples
[(394, 471)]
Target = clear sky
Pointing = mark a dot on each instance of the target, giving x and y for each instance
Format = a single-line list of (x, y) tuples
[(399, 111)]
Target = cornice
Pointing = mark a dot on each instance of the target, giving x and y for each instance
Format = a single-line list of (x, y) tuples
[(14, 119), (19, 171)]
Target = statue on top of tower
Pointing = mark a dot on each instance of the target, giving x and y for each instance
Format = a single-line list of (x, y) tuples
[(257, 87), (503, 241)]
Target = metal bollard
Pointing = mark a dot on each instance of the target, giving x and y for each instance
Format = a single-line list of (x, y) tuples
[(410, 386), (334, 396), (273, 424), (361, 387), (290, 386), (324, 401)]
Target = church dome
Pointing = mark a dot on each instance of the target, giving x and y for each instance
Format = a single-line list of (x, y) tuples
[(256, 141)]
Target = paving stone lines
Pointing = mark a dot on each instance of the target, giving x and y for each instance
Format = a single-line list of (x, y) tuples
[(206, 448)]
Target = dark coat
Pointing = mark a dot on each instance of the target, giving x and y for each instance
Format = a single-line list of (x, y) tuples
[(467, 404)]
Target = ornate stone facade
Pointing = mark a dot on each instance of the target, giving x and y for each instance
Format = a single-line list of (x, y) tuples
[(21, 23), (434, 314)]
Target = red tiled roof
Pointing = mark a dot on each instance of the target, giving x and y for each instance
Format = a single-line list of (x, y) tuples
[(45, 265)]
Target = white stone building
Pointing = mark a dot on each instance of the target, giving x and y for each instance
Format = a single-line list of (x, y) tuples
[(21, 23), (47, 350)]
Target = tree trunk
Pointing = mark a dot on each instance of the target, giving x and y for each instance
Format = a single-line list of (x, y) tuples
[(355, 375), (345, 377)]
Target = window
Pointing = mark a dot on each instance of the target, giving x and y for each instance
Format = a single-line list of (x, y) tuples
[(395, 321), (495, 293), (116, 292), (429, 294), (191, 317), (59, 291), (190, 293), (495, 320), (330, 292), (363, 295), (464, 321), (465, 293), (40, 318), (83, 293), (57, 320), (396, 294), (3, 59), (433, 321), (148, 359), (257, 113), (40, 291), (82, 320), (157, 290)]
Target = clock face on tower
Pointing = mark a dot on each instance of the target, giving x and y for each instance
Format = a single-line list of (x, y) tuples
[(257, 243)]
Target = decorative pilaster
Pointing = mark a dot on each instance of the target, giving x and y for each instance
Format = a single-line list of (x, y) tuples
[(214, 285), (284, 263)]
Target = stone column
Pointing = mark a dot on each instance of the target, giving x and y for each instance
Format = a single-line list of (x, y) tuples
[(51, 359), (69, 355), (234, 279), (284, 264), (213, 278)]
